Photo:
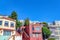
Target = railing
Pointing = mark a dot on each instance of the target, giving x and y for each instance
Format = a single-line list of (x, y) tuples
[(12, 37), (25, 36)]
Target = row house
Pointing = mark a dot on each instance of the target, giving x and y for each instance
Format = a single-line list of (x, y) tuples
[(7, 27), (32, 32)]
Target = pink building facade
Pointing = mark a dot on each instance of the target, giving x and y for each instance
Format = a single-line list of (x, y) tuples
[(32, 32)]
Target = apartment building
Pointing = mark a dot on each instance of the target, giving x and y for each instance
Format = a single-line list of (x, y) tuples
[(52, 29), (55, 29), (7, 27)]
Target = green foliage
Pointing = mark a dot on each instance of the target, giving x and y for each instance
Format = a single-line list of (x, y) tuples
[(26, 23), (45, 24), (51, 38), (13, 15), (18, 24), (46, 31)]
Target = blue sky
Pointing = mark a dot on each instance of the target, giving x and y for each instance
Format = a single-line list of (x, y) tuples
[(41, 10)]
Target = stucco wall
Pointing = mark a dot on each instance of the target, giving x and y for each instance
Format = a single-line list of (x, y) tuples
[(2, 27)]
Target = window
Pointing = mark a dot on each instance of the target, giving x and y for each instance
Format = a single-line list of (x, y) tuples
[(36, 35), (6, 23), (37, 28), (12, 24), (57, 37), (0, 22), (7, 33), (32, 28), (33, 35), (56, 33), (58, 28)]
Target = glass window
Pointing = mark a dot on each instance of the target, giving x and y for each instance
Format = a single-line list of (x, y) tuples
[(57, 37), (6, 23), (12, 24), (0, 22), (59, 28), (31, 35), (37, 28), (59, 32), (36, 35), (7, 32), (32, 28), (56, 33)]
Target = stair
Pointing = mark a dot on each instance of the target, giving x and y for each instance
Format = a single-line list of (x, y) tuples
[(25, 36), (12, 37)]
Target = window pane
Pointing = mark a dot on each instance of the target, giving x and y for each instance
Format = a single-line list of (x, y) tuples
[(56, 33), (36, 35), (6, 23), (32, 28), (59, 32), (37, 28), (57, 37), (58, 28), (12, 24), (7, 32), (0, 22)]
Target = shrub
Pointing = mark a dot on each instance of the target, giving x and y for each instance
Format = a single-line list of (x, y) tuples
[(51, 38)]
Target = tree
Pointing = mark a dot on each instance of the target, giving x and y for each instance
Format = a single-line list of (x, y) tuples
[(26, 23), (45, 24), (13, 15), (45, 30), (18, 24)]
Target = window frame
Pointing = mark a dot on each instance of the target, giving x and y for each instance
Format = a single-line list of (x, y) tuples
[(1, 22), (37, 28), (33, 28), (6, 32), (6, 23), (36, 35), (11, 24)]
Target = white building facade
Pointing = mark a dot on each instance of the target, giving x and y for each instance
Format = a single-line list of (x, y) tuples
[(55, 29)]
